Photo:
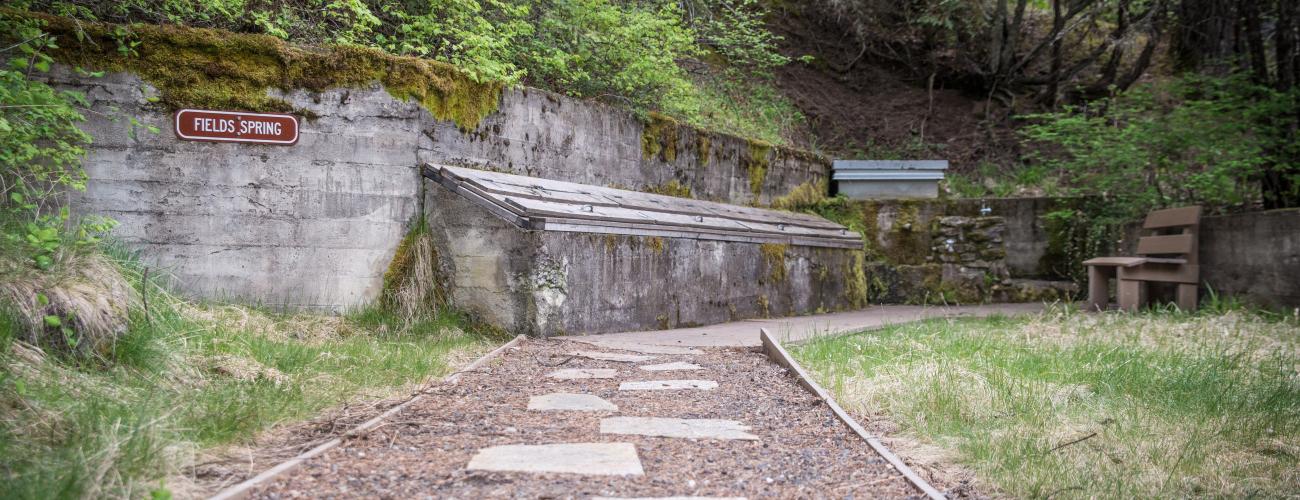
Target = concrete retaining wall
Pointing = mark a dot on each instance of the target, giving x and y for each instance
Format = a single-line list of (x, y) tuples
[(315, 224)]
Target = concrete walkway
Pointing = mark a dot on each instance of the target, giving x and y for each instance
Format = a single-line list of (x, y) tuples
[(797, 328)]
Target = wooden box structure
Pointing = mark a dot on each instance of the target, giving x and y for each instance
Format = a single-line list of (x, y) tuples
[(546, 257)]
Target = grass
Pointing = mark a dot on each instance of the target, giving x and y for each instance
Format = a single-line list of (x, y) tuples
[(185, 379), (1065, 405)]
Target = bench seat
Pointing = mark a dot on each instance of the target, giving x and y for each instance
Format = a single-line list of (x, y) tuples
[(1166, 253), (1130, 261)]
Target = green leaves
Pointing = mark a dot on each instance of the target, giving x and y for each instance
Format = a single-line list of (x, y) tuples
[(40, 148), (1191, 140)]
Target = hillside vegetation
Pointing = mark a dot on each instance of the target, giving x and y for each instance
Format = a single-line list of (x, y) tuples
[(706, 62), (1197, 99)]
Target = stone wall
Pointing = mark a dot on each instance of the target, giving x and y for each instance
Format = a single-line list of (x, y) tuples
[(314, 225), (1254, 255), (962, 251), (907, 230)]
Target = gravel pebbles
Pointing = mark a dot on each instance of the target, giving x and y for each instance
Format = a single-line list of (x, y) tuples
[(802, 451)]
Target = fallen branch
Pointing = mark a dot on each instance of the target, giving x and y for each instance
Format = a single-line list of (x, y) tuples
[(1080, 440)]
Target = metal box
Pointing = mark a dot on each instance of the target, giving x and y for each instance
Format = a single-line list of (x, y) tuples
[(882, 179)]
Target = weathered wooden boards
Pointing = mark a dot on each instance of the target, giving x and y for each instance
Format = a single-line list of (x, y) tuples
[(543, 204)]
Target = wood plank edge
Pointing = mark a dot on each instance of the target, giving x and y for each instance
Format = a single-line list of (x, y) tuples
[(242, 489), (780, 356)]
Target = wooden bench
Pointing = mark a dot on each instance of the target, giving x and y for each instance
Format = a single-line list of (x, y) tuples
[(1166, 253)]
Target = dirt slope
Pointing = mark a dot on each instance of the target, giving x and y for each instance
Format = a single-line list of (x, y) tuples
[(865, 109)]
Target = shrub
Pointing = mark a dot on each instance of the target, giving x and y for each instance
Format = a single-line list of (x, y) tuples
[(1195, 139)]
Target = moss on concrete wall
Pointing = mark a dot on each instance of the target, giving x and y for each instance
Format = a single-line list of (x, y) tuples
[(659, 138), (774, 256), (756, 164), (671, 188), (212, 69)]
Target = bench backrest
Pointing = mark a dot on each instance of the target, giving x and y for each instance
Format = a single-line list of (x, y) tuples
[(1171, 232)]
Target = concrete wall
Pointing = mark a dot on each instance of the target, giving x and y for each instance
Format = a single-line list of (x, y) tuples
[(541, 134), (315, 224), (1252, 255), (312, 225), (554, 283)]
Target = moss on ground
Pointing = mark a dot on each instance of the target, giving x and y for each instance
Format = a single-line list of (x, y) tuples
[(214, 69)]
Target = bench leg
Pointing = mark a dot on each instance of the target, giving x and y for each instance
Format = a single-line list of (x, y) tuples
[(1187, 297), (1132, 294), (1099, 287)]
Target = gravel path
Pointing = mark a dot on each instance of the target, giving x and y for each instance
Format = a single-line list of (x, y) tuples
[(802, 451)]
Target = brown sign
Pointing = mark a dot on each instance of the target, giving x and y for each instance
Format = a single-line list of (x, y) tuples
[(229, 126)]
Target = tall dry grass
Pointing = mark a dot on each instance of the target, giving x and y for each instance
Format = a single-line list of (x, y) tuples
[(1072, 405)]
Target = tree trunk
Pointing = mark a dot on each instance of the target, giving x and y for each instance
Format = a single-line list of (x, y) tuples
[(1255, 41), (1054, 78), (1286, 44), (1155, 28), (997, 37)]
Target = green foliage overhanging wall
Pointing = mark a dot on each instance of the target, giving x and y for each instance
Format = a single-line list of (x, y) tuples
[(213, 69), (647, 55), (40, 154)]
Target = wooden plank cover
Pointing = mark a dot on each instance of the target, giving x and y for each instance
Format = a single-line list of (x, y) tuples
[(1167, 244), (546, 189), (1173, 217), (544, 204)]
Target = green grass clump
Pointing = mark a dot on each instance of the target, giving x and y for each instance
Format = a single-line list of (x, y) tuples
[(1072, 405), (186, 380)]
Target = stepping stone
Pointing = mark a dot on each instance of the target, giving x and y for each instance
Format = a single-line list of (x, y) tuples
[(676, 365), (695, 428), (669, 498), (641, 348), (609, 356), (667, 385), (570, 402), (579, 373), (605, 459)]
